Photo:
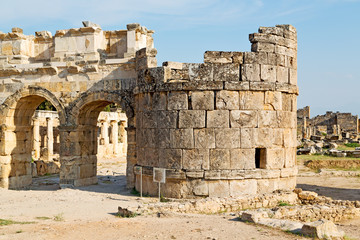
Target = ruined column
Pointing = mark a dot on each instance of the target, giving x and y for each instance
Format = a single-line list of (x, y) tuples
[(114, 136), (50, 138), (123, 137), (105, 132), (36, 141)]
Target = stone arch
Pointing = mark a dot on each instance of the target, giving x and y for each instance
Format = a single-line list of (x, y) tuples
[(81, 132), (17, 133)]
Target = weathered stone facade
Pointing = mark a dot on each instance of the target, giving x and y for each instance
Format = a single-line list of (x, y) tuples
[(225, 127)]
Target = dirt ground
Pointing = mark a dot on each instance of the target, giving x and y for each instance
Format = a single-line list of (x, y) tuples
[(89, 212)]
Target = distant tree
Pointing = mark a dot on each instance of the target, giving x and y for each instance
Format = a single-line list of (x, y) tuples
[(46, 105)]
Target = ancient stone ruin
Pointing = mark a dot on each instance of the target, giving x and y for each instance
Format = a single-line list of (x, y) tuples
[(334, 125), (225, 127)]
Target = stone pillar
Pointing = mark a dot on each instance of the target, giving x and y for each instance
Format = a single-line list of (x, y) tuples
[(123, 137), (105, 132), (114, 136), (36, 141), (50, 138)]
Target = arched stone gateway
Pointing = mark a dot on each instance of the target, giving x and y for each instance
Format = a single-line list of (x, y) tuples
[(16, 133), (225, 127)]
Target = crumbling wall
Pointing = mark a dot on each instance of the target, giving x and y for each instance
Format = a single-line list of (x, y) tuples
[(225, 127)]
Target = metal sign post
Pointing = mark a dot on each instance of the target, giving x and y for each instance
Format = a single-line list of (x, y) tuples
[(159, 176), (138, 170)]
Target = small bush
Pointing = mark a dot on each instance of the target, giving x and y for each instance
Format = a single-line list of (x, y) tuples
[(353, 145), (282, 204)]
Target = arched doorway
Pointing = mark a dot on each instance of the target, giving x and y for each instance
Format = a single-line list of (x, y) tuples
[(17, 134), (79, 156)]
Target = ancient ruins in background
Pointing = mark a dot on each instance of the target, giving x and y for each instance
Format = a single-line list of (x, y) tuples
[(225, 127), (332, 125)]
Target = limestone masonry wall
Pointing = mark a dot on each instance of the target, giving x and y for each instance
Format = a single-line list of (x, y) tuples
[(225, 127)]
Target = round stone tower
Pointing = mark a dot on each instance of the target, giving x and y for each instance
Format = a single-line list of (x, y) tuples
[(225, 127)]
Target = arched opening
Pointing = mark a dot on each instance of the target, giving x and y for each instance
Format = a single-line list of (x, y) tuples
[(21, 136), (102, 141)]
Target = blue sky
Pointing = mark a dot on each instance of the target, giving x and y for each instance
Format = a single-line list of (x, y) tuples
[(328, 34)]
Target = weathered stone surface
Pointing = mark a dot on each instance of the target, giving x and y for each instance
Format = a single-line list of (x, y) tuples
[(217, 119), (204, 138), (227, 100), (227, 72), (170, 158), (202, 100), (268, 73), (181, 138), (192, 119), (241, 118), (243, 187), (227, 138), (196, 159), (219, 189), (242, 158), (177, 101), (219, 159), (252, 100), (321, 229), (250, 72)]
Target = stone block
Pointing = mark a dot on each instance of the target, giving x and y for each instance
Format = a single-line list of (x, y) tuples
[(196, 159), (218, 119), (219, 189), (290, 138), (201, 188), (322, 229), (227, 100), (204, 138), (166, 119), (202, 71), (286, 119), (226, 72), (212, 175), (151, 156), (149, 119), (192, 118), (170, 158), (243, 187), (255, 57), (251, 100), (181, 138), (274, 158), (250, 72), (162, 138), (273, 100), (177, 100), (290, 157), (227, 138), (262, 47), (268, 73), (247, 138), (267, 185), (267, 119), (202, 100), (217, 57), (286, 102), (219, 159), (242, 158), (292, 76), (238, 57), (159, 101), (243, 118), (263, 137), (282, 74), (278, 137)]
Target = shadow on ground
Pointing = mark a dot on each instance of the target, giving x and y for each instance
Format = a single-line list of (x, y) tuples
[(334, 193)]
